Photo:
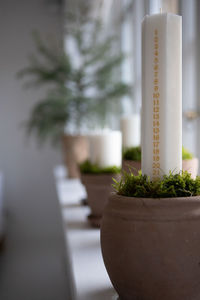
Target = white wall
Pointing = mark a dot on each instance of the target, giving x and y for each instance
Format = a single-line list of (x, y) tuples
[(32, 266), (26, 167)]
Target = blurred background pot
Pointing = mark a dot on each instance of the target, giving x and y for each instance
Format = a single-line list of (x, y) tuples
[(132, 165), (151, 247), (191, 165), (98, 189), (75, 151)]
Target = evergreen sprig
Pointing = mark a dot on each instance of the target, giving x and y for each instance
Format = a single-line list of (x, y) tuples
[(172, 185), (83, 93)]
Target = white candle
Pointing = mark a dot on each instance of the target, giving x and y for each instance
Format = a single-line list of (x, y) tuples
[(105, 148), (161, 94), (130, 128)]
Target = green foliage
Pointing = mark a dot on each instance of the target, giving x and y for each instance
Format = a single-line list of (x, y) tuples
[(172, 185), (186, 154), (48, 117), (78, 93), (88, 168), (132, 153)]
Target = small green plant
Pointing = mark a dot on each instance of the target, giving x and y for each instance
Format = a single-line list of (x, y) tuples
[(172, 185), (88, 168), (186, 154), (134, 153)]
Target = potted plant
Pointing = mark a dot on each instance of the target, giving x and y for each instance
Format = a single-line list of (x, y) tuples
[(80, 85), (98, 183), (132, 160), (190, 163), (150, 237)]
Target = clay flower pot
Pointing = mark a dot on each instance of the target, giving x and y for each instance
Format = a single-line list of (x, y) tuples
[(135, 166), (190, 165), (98, 189), (151, 247), (75, 151)]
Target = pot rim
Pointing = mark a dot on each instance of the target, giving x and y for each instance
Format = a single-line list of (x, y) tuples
[(179, 200), (153, 209), (139, 161)]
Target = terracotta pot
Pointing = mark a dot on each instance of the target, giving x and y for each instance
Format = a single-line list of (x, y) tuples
[(151, 247), (75, 150), (191, 165), (135, 166), (98, 189)]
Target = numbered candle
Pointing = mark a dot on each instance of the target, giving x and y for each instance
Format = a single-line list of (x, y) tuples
[(161, 95), (130, 128), (105, 148)]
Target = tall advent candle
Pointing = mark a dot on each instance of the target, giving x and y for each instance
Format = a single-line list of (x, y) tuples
[(161, 94)]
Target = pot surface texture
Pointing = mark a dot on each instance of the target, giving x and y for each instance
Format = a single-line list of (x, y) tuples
[(151, 247)]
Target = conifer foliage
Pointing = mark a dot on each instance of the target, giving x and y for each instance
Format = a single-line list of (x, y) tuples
[(81, 83)]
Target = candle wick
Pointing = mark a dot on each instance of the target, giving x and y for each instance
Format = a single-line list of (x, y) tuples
[(161, 10)]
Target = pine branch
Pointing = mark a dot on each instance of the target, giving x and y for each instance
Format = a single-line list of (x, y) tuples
[(80, 94)]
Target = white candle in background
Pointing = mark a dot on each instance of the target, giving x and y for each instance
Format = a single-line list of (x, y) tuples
[(130, 128), (105, 148), (161, 94)]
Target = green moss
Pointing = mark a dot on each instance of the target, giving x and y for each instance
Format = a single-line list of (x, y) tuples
[(186, 154), (134, 153), (88, 168), (172, 185)]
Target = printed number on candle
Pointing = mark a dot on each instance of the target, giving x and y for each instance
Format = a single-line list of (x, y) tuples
[(156, 151), (156, 60), (156, 130), (155, 74), (156, 95), (156, 67), (155, 88), (156, 116), (156, 165), (156, 39), (156, 172), (156, 144), (156, 123), (156, 158), (156, 137), (156, 109), (156, 101)]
